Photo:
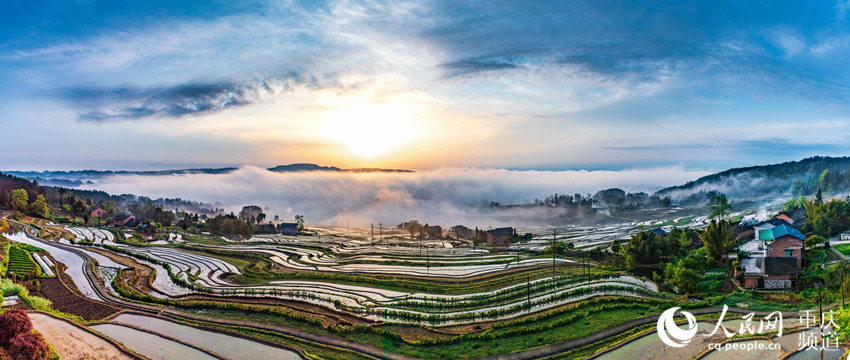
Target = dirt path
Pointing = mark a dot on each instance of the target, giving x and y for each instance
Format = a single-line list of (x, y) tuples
[(72, 343)]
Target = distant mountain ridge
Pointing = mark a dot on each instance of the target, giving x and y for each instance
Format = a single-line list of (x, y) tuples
[(801, 177), (313, 167), (79, 177)]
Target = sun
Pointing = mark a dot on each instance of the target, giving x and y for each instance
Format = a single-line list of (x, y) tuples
[(370, 129)]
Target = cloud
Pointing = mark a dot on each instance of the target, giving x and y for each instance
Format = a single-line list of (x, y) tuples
[(445, 196), (126, 103)]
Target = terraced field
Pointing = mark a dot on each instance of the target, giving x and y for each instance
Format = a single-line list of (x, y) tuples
[(427, 301), (198, 269), (21, 263)]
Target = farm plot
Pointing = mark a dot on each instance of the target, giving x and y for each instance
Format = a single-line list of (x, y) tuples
[(504, 302), (75, 263), (95, 235), (395, 306), (205, 271), (228, 346), (297, 258), (21, 263)]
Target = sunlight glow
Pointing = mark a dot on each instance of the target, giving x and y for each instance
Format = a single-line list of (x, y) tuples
[(370, 129)]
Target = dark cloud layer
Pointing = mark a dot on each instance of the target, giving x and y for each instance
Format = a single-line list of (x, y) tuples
[(127, 103)]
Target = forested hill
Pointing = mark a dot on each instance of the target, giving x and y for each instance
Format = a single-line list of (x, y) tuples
[(804, 177)]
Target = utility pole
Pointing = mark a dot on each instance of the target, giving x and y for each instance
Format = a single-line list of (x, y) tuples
[(820, 307), (528, 291), (373, 233), (841, 288), (420, 241), (380, 232)]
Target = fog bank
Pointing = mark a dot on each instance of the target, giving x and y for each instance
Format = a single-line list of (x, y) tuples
[(445, 196)]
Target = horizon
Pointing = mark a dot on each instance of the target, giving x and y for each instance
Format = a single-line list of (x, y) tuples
[(423, 85)]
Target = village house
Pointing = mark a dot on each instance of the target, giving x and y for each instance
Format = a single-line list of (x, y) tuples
[(462, 232), (264, 229), (99, 213), (290, 229), (499, 237), (126, 220), (785, 217), (767, 225), (432, 231), (782, 260)]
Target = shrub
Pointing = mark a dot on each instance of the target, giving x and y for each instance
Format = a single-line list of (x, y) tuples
[(12, 323), (28, 346), (9, 288), (40, 303)]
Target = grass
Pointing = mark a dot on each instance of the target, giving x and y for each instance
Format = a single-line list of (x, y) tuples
[(843, 248), (9, 288)]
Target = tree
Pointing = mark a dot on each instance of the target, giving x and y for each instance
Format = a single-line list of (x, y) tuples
[(414, 229), (261, 217), (644, 248), (78, 207), (615, 246), (814, 240), (794, 203), (20, 199), (86, 219), (685, 279), (110, 207), (299, 219), (717, 238), (39, 207), (719, 206)]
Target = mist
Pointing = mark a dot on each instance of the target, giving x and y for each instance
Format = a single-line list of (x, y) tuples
[(446, 197)]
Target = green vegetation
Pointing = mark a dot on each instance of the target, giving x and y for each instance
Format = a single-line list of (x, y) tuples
[(646, 248), (22, 264), (829, 218), (717, 238)]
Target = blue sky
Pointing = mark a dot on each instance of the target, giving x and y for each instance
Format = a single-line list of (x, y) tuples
[(520, 85)]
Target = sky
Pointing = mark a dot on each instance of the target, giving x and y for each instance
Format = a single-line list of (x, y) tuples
[(521, 85)]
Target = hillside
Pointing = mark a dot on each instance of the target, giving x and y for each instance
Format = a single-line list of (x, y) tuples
[(792, 178)]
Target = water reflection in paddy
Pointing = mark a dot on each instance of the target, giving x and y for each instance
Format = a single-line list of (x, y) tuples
[(150, 345), (231, 347)]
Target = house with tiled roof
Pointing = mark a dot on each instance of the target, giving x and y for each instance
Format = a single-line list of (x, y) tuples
[(782, 261)]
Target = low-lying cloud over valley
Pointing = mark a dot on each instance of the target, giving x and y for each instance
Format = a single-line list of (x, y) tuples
[(447, 196)]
